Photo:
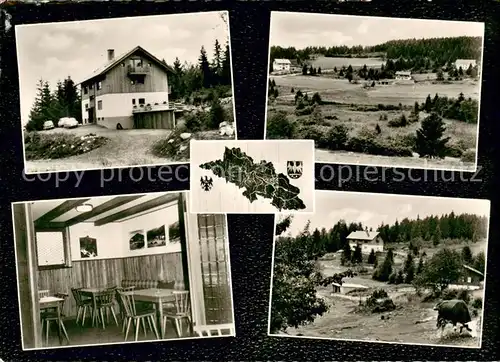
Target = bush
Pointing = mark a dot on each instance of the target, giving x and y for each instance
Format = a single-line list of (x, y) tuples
[(392, 278), (304, 111), (398, 122), (195, 121), (279, 127), (312, 133), (316, 99), (454, 151), (477, 303), (216, 115), (371, 146), (337, 137), (53, 146), (468, 156)]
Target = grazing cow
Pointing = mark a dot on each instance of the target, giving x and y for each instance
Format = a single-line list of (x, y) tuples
[(452, 311)]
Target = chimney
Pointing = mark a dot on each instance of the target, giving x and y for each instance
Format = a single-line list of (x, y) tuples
[(111, 54), (367, 232)]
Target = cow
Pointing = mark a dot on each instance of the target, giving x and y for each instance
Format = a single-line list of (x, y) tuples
[(453, 311)]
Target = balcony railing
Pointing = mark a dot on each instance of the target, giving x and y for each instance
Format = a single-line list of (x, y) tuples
[(134, 70), (176, 107)]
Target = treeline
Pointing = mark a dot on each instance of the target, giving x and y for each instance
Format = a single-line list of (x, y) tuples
[(461, 109), (51, 105), (416, 53), (207, 74), (435, 228)]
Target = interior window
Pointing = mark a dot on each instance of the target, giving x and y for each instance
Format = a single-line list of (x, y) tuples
[(142, 101), (50, 248)]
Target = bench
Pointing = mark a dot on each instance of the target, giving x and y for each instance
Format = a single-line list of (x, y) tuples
[(139, 283)]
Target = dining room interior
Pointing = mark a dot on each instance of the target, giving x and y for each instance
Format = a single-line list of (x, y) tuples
[(121, 268)]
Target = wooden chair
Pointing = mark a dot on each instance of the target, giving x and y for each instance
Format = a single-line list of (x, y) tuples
[(103, 304), (120, 304), (132, 316), (82, 304), (181, 312), (50, 315)]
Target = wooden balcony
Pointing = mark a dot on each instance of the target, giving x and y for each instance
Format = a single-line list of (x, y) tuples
[(131, 70)]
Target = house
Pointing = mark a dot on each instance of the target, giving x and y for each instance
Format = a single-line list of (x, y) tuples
[(129, 91), (67, 249), (367, 240), (345, 288), (465, 63), (403, 75), (280, 65), (472, 276)]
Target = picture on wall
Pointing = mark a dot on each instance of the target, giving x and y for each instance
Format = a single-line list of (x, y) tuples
[(174, 233), (88, 247), (156, 237), (136, 239)]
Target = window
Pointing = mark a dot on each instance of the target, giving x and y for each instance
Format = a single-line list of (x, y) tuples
[(123, 64), (133, 101), (51, 248), (215, 268), (85, 90), (99, 86), (142, 101), (86, 106), (140, 81), (91, 86), (99, 105), (92, 98), (469, 280), (149, 64)]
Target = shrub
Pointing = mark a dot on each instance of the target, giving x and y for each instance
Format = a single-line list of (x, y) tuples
[(316, 98), (398, 122), (304, 111), (468, 156), (337, 137), (477, 303), (52, 146), (392, 278), (371, 146), (195, 121), (216, 115), (280, 127), (312, 133)]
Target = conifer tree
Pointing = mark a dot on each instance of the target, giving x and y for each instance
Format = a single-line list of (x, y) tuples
[(429, 140)]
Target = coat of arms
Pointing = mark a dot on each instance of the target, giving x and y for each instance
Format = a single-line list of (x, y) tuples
[(294, 169), (206, 183)]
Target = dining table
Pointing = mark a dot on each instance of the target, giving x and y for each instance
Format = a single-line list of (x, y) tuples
[(157, 297), (50, 302)]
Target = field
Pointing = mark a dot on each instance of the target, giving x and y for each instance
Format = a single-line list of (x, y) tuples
[(413, 321), (356, 107), (338, 62)]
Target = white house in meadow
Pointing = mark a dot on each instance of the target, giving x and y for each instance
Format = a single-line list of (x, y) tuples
[(465, 64), (367, 240), (281, 65)]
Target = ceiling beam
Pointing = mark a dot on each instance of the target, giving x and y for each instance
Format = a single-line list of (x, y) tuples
[(145, 206), (63, 208), (101, 209), (50, 226)]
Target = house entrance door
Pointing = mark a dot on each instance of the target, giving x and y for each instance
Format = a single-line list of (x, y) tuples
[(91, 115)]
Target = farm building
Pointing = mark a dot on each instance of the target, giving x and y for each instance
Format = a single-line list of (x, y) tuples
[(345, 288), (281, 65), (403, 75), (472, 276), (465, 63), (129, 91), (367, 240)]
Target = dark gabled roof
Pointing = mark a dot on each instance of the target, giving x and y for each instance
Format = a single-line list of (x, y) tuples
[(111, 64)]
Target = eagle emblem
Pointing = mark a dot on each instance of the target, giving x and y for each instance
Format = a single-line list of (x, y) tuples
[(206, 183), (294, 169)]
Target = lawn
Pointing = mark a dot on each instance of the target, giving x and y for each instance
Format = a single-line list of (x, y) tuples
[(413, 321), (355, 107), (123, 148)]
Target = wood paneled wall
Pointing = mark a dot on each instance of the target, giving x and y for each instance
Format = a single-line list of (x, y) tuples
[(108, 273)]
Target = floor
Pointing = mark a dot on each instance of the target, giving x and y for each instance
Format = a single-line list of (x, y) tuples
[(89, 335)]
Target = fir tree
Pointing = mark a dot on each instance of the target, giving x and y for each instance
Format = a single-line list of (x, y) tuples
[(205, 68), (429, 141), (371, 257)]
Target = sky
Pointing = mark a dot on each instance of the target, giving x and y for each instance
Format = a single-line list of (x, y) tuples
[(373, 209), (305, 29), (53, 51)]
